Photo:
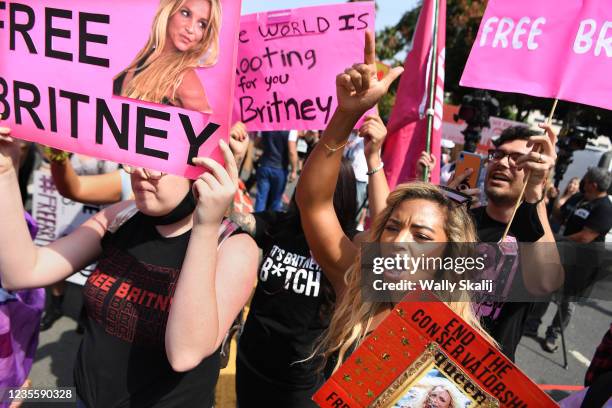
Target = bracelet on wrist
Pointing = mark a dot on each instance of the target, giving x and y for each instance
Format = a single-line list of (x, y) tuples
[(376, 169), (541, 198), (334, 149), (56, 157)]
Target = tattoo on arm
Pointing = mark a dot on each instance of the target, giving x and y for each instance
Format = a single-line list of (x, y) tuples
[(244, 221)]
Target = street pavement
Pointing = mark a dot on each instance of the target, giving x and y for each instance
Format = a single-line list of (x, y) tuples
[(58, 347)]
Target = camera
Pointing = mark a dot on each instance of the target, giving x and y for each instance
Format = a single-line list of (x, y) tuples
[(475, 110), (574, 138)]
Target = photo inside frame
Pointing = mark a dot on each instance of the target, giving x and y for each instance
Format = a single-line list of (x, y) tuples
[(434, 381)]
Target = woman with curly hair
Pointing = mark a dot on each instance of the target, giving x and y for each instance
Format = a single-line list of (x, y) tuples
[(415, 213)]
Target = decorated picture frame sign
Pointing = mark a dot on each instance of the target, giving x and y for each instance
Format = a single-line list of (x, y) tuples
[(424, 351)]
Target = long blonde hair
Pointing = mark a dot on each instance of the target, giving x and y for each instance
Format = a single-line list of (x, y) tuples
[(161, 73), (352, 317)]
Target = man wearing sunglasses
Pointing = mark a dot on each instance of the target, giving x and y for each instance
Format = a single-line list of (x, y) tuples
[(517, 152)]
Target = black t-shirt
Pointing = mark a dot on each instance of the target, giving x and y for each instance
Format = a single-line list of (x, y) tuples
[(504, 320), (291, 306), (122, 359), (275, 149), (595, 215)]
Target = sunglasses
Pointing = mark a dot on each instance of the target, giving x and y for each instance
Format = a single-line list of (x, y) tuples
[(149, 174), (456, 196)]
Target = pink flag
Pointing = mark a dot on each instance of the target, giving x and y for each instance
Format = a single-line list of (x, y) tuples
[(407, 125)]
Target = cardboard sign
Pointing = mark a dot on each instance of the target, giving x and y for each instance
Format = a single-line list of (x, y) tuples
[(423, 349), (288, 61), (57, 216), (545, 48), (60, 60)]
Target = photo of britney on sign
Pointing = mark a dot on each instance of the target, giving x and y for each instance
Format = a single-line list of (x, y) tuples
[(184, 36), (433, 391)]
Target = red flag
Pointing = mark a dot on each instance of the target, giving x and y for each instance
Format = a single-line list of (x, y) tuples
[(407, 125)]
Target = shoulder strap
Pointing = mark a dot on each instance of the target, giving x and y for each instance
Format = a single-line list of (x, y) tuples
[(226, 230), (122, 217)]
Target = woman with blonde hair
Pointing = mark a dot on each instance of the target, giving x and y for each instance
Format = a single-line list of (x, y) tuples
[(415, 214), (184, 36)]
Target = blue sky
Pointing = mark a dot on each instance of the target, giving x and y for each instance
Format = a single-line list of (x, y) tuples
[(389, 11)]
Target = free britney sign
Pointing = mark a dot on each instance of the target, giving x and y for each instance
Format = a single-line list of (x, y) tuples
[(546, 48), (144, 82)]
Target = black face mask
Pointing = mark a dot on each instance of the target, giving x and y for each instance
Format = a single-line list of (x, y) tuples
[(185, 207)]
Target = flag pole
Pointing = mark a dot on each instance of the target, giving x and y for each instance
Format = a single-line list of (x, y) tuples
[(433, 74), (520, 198)]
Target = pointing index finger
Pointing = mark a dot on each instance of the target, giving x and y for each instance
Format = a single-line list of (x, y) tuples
[(369, 51)]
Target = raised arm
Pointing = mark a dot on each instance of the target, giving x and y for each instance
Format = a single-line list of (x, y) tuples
[(93, 189), (426, 161), (541, 264), (560, 200), (374, 132), (239, 142), (358, 90), (213, 285), (24, 265)]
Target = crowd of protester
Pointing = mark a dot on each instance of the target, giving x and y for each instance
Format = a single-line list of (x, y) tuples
[(197, 242)]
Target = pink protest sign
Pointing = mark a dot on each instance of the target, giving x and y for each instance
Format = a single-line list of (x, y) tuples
[(547, 48), (288, 61), (144, 82)]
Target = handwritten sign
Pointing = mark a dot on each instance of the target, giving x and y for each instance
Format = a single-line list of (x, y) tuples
[(288, 61), (423, 348), (545, 48), (60, 59), (57, 216)]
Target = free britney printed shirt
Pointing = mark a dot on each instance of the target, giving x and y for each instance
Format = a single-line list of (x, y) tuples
[(291, 306), (122, 360)]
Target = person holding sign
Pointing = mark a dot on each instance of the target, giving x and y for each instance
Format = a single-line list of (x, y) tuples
[(536, 271), (184, 36), (166, 268), (415, 213)]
